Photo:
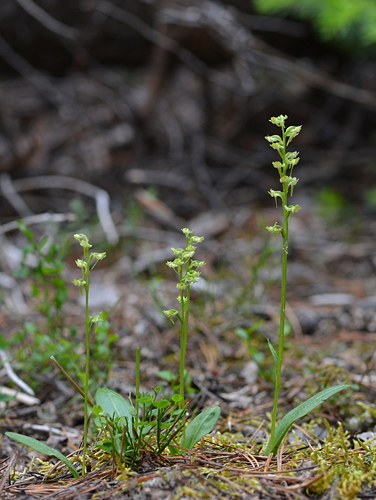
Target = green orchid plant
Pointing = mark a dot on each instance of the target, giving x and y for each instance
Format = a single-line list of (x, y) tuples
[(187, 270), (288, 160), (88, 263)]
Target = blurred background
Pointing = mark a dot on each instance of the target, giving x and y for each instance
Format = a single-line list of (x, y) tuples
[(176, 96)]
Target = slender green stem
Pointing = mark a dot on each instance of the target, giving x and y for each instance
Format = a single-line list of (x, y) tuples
[(86, 388), (185, 341), (281, 327), (182, 353), (137, 382), (285, 236)]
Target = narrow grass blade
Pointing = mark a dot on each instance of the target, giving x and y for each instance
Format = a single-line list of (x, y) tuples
[(274, 354), (299, 412), (42, 448), (200, 426)]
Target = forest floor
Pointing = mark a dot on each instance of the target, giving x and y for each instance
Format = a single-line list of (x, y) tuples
[(331, 338)]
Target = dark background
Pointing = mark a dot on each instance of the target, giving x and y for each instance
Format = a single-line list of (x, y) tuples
[(177, 95)]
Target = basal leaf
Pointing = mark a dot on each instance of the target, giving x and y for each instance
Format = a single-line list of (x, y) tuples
[(200, 426), (42, 448), (112, 403), (301, 411)]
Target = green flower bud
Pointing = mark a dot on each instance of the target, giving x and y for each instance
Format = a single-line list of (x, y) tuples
[(81, 264), (95, 319), (292, 209), (278, 120), (79, 283), (275, 229), (172, 264), (177, 251), (80, 237), (188, 255), (291, 156), (83, 239), (197, 239), (197, 263), (275, 195), (277, 164), (171, 312), (98, 256), (274, 138), (292, 132)]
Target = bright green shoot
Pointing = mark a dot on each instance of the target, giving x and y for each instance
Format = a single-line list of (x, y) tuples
[(88, 263), (186, 269), (285, 168)]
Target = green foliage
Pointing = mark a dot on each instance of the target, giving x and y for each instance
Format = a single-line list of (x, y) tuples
[(157, 426), (101, 362), (48, 287), (200, 426), (43, 267), (33, 344), (248, 335), (42, 448), (352, 23), (155, 423), (124, 431), (174, 382), (298, 412)]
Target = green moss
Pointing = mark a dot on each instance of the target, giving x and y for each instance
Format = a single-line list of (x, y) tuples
[(352, 465)]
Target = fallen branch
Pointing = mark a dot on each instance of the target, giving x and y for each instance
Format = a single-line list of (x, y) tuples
[(102, 198)]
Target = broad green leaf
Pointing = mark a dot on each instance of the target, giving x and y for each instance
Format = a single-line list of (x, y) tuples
[(98, 418), (114, 405), (274, 354), (301, 411), (5, 398), (162, 403), (167, 374), (200, 426), (42, 448)]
